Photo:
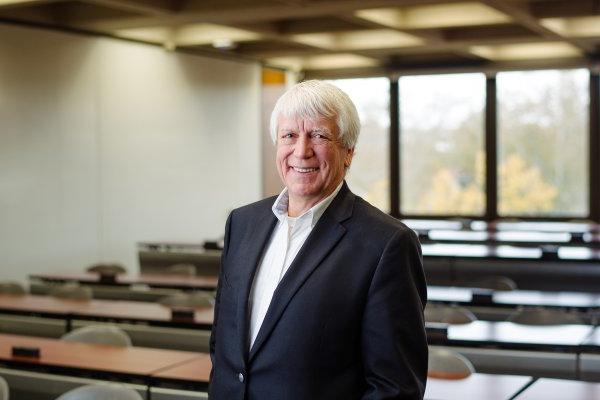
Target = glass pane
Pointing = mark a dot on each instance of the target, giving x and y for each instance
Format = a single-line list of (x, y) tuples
[(442, 150), (543, 141), (369, 176)]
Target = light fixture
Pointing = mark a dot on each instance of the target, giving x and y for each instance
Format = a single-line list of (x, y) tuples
[(224, 44)]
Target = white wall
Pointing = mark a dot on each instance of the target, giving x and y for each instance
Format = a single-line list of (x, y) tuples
[(105, 143)]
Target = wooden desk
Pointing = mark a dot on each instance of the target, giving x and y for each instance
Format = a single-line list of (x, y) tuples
[(104, 310), (476, 386), (516, 336), (547, 299), (515, 298), (592, 342), (449, 294), (559, 389), (67, 357), (517, 238), (193, 373), (198, 282), (455, 251)]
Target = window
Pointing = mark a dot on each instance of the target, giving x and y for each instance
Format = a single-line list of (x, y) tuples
[(442, 154), (542, 143), (368, 176)]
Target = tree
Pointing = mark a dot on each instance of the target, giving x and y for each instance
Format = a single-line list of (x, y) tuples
[(523, 188)]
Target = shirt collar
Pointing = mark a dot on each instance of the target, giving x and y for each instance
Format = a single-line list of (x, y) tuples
[(280, 207)]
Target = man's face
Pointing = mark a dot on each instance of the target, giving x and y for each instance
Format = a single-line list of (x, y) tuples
[(310, 159)]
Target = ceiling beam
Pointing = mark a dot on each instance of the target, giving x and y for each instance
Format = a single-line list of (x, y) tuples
[(491, 67), (430, 36), (458, 47), (245, 13), (6, 4), (522, 15), (160, 8)]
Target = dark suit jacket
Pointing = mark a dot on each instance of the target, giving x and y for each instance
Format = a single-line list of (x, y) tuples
[(345, 322)]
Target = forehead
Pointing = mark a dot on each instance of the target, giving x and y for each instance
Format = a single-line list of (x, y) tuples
[(297, 122)]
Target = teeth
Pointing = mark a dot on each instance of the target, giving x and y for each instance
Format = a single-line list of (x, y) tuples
[(304, 170)]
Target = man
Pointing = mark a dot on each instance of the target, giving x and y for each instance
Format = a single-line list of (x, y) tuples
[(320, 294)]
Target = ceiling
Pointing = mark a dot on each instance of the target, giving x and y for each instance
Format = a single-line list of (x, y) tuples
[(341, 37)]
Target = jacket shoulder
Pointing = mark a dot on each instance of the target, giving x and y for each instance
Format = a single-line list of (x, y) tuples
[(375, 221), (254, 209)]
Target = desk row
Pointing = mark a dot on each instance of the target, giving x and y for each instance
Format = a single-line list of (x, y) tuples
[(459, 295), (512, 299), (188, 373), (502, 334)]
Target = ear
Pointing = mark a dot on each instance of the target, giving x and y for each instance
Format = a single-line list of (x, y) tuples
[(348, 157)]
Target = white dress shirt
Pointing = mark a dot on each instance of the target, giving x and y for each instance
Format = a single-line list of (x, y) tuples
[(288, 237)]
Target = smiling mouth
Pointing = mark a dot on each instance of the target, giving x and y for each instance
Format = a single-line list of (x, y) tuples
[(304, 170)]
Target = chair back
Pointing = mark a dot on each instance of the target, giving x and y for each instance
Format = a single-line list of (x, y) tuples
[(99, 334), (181, 269), (447, 364), (4, 392), (448, 314), (101, 392), (72, 290), (544, 316), (107, 269), (14, 288), (189, 300)]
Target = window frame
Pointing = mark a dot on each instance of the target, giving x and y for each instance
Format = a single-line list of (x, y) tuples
[(491, 150)]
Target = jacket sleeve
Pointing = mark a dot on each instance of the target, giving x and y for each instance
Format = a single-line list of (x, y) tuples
[(212, 342), (394, 344)]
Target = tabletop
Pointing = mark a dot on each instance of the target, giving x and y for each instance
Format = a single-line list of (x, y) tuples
[(515, 298), (195, 370), (560, 389), (512, 335), (120, 360), (118, 310), (476, 386), (205, 282)]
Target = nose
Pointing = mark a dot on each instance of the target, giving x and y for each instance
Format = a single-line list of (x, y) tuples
[(303, 147)]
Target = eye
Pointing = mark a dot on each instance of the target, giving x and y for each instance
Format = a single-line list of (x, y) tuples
[(319, 137)]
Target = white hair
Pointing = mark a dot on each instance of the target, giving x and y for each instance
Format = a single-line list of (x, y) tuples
[(317, 99)]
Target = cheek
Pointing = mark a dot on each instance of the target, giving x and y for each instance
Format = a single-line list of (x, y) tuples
[(281, 160)]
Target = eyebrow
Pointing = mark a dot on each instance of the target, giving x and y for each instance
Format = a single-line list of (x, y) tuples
[(321, 130), (315, 130)]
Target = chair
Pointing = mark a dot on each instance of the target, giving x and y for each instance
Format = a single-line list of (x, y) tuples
[(181, 269), (101, 392), (544, 316), (13, 288), (4, 391), (447, 364), (448, 315), (99, 334), (189, 300), (499, 283), (72, 291), (107, 269)]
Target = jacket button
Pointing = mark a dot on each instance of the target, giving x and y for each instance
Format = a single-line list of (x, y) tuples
[(241, 377)]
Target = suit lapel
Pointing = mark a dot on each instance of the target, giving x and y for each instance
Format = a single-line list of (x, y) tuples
[(323, 238), (252, 250)]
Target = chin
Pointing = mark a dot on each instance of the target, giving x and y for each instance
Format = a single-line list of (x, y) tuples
[(302, 190)]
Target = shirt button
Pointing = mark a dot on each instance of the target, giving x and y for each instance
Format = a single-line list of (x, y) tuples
[(241, 377)]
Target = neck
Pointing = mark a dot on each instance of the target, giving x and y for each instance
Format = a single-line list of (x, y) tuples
[(299, 205)]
